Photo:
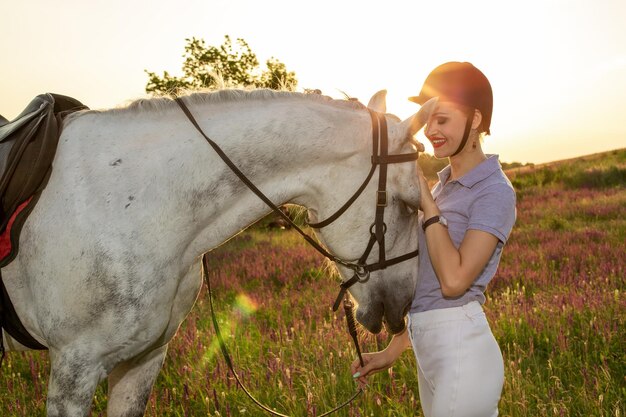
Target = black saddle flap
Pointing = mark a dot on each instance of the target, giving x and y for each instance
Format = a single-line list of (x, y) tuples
[(8, 136), (27, 148)]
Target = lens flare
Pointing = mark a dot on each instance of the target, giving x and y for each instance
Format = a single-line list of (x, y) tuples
[(242, 308), (245, 305)]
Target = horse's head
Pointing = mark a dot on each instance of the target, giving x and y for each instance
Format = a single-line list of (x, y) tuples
[(384, 295)]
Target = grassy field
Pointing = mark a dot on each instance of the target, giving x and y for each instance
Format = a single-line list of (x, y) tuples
[(557, 307)]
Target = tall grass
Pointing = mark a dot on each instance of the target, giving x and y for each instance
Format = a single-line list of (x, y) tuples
[(557, 308)]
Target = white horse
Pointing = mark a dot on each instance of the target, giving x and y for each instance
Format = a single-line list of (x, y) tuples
[(109, 259)]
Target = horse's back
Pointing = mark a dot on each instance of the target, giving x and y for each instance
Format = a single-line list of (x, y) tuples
[(89, 252)]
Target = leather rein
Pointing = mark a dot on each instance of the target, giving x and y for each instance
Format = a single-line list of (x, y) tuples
[(361, 269)]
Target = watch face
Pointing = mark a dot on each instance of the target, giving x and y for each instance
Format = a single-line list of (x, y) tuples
[(443, 221)]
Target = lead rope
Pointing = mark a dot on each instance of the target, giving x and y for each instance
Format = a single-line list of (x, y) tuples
[(347, 308), (229, 362)]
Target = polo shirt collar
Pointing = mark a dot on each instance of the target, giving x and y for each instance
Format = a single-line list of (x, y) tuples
[(476, 175)]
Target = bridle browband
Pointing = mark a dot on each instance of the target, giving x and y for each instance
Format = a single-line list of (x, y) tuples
[(380, 158)]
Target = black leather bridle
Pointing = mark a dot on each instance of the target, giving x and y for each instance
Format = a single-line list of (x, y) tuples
[(381, 159)]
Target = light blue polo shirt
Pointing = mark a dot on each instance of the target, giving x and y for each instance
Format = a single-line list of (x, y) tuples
[(483, 199)]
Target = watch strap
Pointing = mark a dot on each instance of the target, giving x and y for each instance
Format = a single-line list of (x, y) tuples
[(432, 220)]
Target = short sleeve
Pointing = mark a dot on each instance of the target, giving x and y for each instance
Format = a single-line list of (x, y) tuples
[(493, 211)]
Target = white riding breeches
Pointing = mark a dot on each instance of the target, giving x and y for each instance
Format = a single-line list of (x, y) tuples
[(459, 363)]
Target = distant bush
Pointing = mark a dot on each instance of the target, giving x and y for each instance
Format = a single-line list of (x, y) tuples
[(511, 165), (431, 165), (572, 177), (604, 170), (539, 177), (596, 178)]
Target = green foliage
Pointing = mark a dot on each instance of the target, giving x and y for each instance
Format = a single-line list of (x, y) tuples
[(599, 171), (554, 223), (596, 178), (511, 165), (431, 165), (225, 65)]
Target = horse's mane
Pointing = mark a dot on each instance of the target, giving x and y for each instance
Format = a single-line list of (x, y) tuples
[(156, 104)]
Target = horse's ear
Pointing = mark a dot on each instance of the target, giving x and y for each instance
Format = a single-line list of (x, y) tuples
[(378, 102), (413, 124)]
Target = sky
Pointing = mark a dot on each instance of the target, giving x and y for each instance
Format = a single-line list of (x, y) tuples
[(557, 67)]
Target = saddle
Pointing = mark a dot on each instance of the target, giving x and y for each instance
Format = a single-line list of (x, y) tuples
[(27, 147)]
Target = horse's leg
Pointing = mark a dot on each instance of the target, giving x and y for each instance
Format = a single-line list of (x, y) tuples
[(73, 380), (130, 384)]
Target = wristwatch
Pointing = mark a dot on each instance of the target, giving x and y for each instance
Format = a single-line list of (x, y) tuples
[(435, 219)]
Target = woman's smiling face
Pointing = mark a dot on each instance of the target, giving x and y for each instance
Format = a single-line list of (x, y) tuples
[(445, 128)]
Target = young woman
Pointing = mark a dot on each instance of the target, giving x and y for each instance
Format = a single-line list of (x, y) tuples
[(465, 222)]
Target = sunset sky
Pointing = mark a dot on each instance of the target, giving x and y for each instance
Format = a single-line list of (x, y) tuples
[(557, 67)]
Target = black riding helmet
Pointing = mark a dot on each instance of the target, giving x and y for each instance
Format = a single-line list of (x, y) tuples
[(460, 83)]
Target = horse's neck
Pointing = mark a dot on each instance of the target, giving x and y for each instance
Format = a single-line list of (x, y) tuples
[(289, 150)]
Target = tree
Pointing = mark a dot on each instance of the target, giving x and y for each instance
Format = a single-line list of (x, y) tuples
[(227, 65)]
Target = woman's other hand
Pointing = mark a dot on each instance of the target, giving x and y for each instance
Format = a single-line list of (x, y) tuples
[(379, 361), (374, 362)]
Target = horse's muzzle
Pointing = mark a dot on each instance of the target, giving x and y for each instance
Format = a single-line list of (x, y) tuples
[(377, 315)]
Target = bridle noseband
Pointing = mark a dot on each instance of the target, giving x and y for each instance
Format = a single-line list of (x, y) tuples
[(381, 159)]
